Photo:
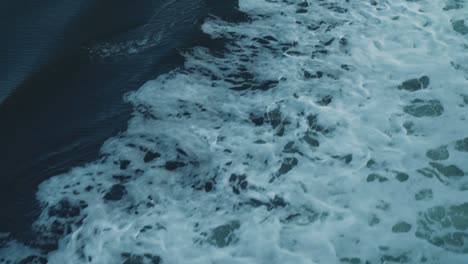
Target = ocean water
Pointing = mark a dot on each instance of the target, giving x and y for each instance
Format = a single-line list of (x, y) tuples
[(323, 132), (68, 97)]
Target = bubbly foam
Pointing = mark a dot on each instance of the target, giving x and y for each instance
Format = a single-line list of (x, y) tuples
[(325, 132)]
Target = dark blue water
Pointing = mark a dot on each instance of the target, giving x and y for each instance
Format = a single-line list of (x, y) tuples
[(60, 98)]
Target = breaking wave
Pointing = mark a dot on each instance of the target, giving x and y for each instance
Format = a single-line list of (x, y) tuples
[(323, 132)]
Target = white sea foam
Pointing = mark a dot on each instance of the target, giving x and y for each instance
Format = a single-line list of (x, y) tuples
[(314, 138)]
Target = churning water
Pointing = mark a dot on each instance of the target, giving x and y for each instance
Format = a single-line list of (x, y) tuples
[(323, 132)]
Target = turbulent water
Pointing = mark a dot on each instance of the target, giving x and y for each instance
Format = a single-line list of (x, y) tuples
[(324, 132)]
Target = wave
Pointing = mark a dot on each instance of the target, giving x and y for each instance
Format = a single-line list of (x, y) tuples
[(322, 132)]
